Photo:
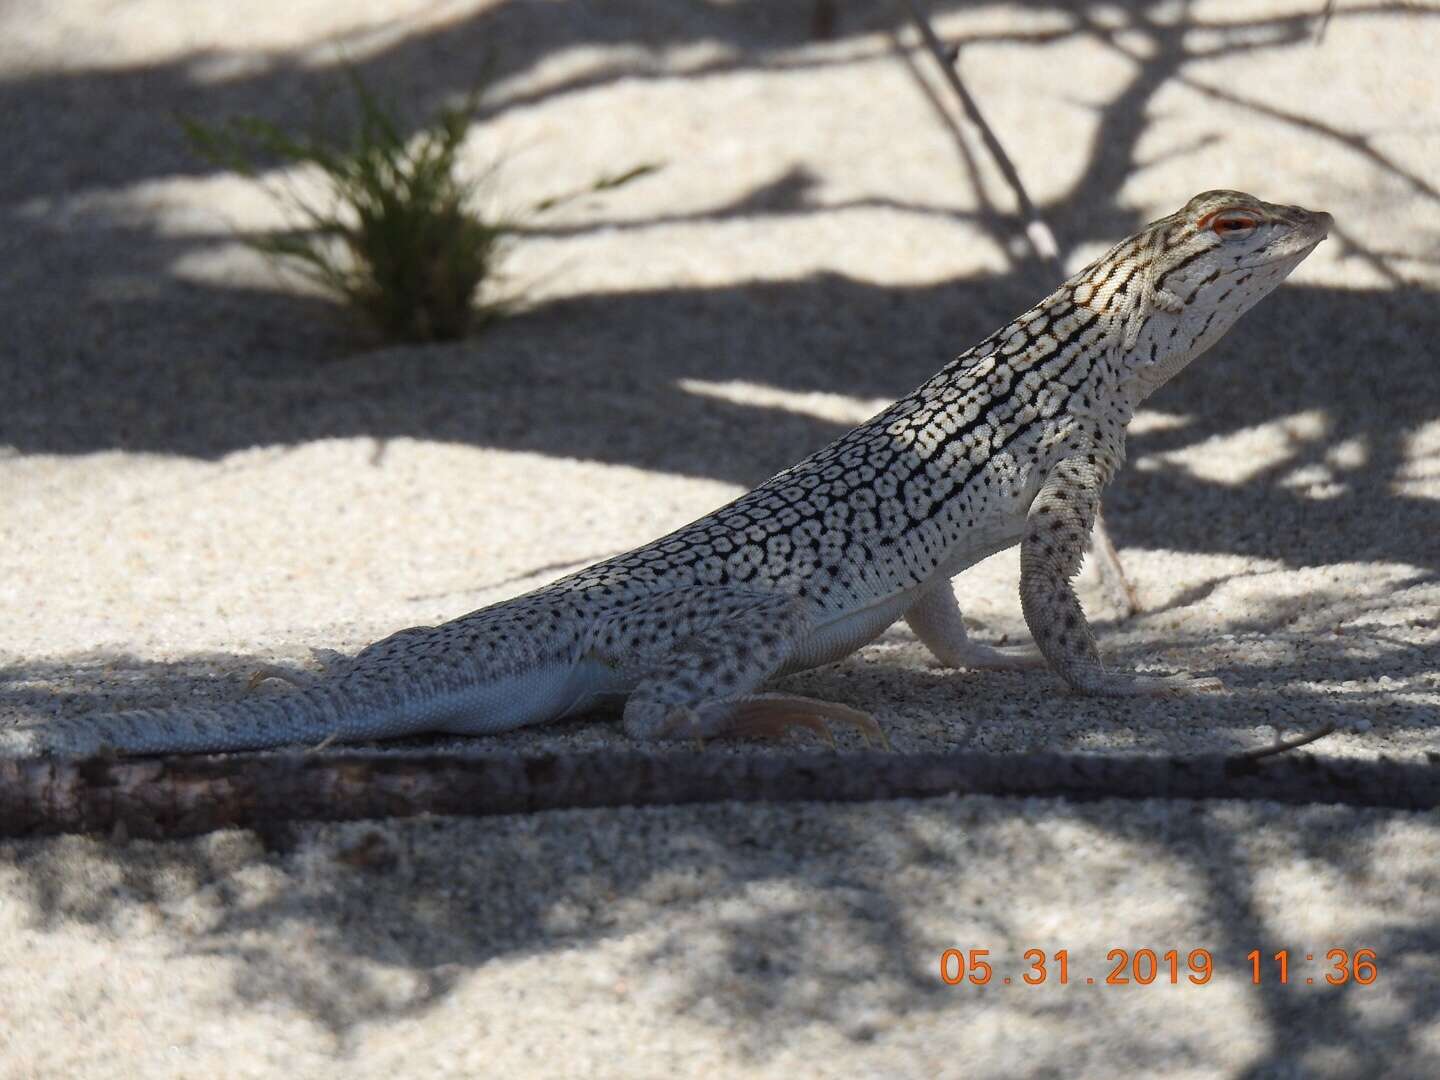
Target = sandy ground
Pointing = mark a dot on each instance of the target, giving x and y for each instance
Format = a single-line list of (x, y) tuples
[(205, 468)]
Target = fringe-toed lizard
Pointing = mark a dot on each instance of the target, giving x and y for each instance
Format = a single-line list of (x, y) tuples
[(1011, 442)]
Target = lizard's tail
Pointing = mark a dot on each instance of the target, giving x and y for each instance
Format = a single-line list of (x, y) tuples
[(325, 710)]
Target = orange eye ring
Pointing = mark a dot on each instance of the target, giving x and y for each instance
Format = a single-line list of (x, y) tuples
[(1229, 222)]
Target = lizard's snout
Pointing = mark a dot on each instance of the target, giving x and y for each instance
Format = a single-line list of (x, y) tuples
[(1314, 222)]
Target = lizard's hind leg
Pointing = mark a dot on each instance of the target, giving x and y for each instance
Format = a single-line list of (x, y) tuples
[(705, 686)]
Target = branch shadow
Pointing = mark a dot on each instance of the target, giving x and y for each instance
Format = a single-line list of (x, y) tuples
[(107, 110), (609, 377), (598, 376), (775, 920)]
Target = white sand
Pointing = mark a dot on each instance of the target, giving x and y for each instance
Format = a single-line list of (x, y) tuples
[(207, 471)]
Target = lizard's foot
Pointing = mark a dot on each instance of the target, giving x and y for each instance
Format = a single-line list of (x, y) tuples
[(1127, 684), (979, 657), (298, 679), (759, 716)]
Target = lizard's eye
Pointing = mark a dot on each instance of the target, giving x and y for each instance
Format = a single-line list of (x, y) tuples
[(1233, 224)]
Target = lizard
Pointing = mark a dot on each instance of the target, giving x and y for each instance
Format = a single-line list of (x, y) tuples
[(1011, 442)]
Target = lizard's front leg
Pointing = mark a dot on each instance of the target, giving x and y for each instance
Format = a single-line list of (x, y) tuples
[(937, 622), (1056, 528)]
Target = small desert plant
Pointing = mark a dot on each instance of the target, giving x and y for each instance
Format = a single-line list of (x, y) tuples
[(398, 235)]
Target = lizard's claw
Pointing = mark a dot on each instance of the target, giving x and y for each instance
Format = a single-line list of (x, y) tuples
[(1124, 684), (768, 716), (773, 714), (272, 671), (977, 657), (751, 718), (775, 723)]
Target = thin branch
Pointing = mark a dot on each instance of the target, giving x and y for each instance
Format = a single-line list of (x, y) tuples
[(1359, 142), (1112, 570), (1042, 240), (1037, 231), (533, 572), (1283, 745), (183, 795)]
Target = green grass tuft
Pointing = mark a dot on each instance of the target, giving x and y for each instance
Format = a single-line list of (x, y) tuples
[(397, 236)]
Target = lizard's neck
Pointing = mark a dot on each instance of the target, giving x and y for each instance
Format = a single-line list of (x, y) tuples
[(1047, 385), (1064, 377)]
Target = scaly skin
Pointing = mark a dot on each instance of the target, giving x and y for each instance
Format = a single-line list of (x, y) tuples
[(1011, 442)]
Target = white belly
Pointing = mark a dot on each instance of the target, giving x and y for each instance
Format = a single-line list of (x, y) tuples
[(841, 636), (561, 689), (532, 696)]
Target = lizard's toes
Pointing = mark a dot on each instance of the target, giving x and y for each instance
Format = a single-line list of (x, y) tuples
[(767, 716), (1125, 684), (775, 723), (976, 657), (763, 716), (761, 713), (272, 671)]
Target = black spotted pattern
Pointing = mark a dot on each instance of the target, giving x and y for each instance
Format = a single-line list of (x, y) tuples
[(926, 483)]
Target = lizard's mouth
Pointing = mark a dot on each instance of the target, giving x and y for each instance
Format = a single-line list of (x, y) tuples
[(1309, 228), (1316, 227)]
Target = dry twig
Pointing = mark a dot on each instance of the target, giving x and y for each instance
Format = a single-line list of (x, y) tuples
[(1042, 241), (1282, 745), (182, 795)]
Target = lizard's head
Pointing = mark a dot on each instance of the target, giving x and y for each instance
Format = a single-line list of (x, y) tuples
[(1208, 264), (1231, 233)]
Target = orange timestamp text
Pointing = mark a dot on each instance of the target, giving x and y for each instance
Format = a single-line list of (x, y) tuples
[(1127, 967)]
